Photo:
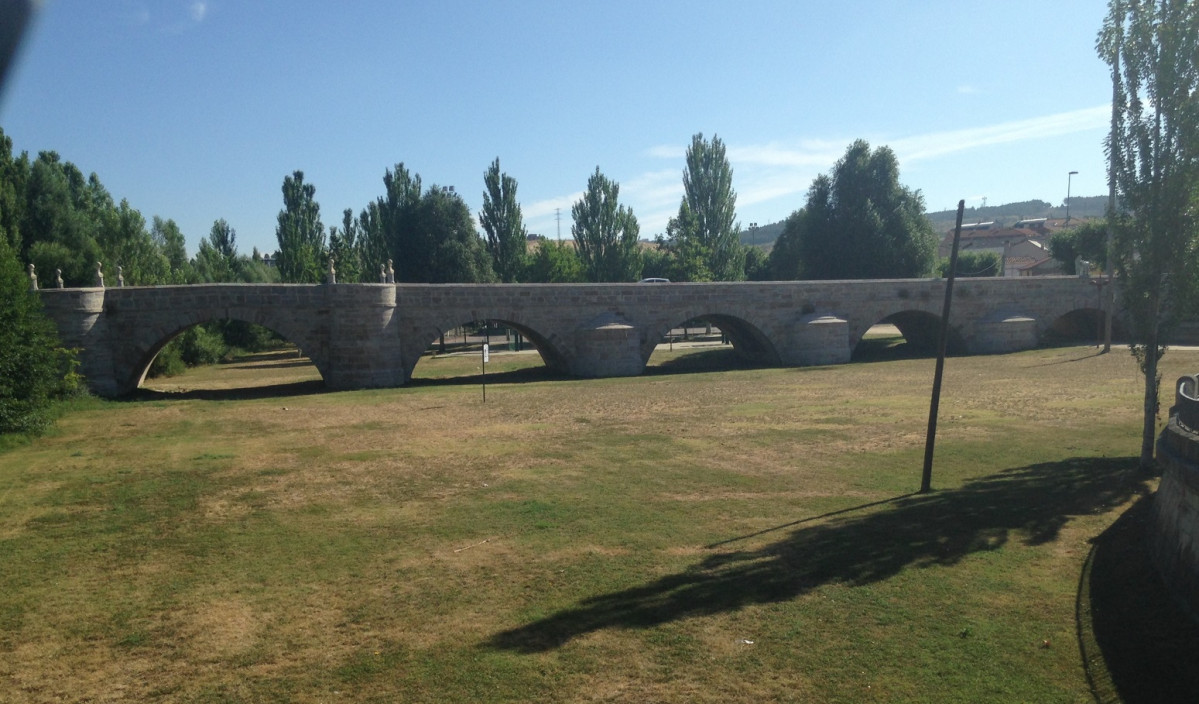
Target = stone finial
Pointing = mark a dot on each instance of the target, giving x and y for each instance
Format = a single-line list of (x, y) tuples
[(99, 275), (120, 276), (58, 277), (332, 275), (382, 274), (391, 273), (32, 277)]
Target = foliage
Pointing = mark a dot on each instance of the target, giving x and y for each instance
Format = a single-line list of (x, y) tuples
[(859, 223), (757, 264), (605, 232), (345, 250), (704, 236), (446, 236), (34, 369), (300, 233), (1088, 241), (554, 263), (501, 219), (1153, 49), (973, 264)]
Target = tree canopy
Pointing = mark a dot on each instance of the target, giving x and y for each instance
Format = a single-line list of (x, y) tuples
[(704, 236), (605, 232), (501, 219), (300, 233), (859, 222)]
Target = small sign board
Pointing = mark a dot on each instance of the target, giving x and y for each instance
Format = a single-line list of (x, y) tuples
[(486, 353)]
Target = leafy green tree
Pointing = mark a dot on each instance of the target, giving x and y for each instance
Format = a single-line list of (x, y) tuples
[(605, 232), (14, 177), (126, 243), (973, 264), (859, 223), (455, 252), (785, 262), (757, 264), (345, 249), (397, 211), (704, 234), (554, 263), (216, 260), (34, 369), (507, 238), (1088, 241), (1152, 47), (170, 241), (301, 235)]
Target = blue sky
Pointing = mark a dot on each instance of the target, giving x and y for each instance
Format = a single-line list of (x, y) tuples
[(196, 109)]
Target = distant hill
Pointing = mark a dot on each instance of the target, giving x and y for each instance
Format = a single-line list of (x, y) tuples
[(1004, 215), (943, 220)]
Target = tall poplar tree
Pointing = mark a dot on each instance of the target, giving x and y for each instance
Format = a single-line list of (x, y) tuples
[(704, 235), (605, 232), (1152, 47), (501, 219), (300, 233)]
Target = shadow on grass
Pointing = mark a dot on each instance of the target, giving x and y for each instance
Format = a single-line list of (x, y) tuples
[(298, 388), (723, 358), (515, 376), (1137, 645), (1031, 503)]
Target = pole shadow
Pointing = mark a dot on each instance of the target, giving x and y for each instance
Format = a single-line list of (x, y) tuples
[(922, 530)]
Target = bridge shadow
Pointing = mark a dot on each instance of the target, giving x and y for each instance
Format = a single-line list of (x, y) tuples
[(1030, 504), (1138, 645), (720, 359), (515, 376), (298, 388)]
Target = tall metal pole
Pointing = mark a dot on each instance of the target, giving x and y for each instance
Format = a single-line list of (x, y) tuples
[(926, 478), (1069, 176), (1111, 208)]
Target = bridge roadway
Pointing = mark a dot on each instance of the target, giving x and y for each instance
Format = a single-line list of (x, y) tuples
[(373, 335)]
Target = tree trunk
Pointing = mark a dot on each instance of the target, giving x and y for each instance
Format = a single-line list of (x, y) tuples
[(1149, 424)]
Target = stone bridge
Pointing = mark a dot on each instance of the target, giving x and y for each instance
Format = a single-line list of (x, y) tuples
[(373, 335)]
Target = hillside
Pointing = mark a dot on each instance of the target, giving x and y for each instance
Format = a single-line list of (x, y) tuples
[(943, 220)]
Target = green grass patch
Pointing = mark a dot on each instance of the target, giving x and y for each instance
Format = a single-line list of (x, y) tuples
[(741, 535)]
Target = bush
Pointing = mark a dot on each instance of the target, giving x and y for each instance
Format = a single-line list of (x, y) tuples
[(35, 369)]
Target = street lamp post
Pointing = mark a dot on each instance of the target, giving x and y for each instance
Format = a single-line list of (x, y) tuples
[(1069, 176), (753, 233)]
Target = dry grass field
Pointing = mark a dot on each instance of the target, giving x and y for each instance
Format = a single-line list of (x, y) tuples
[(745, 535)]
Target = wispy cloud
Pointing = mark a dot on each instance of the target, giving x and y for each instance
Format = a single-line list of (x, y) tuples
[(198, 10), (938, 144), (785, 169), (967, 89)]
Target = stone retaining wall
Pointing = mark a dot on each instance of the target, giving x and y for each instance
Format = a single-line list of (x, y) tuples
[(1174, 525)]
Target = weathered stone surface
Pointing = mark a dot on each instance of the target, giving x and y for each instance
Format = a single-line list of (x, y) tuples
[(372, 335)]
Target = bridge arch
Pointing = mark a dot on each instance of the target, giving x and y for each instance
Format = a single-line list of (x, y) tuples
[(551, 354), (921, 331), (1082, 324), (144, 345), (750, 343)]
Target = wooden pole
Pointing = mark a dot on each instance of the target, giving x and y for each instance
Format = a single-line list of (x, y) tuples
[(926, 478)]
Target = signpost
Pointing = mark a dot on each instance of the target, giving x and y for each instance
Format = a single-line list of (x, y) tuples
[(486, 359)]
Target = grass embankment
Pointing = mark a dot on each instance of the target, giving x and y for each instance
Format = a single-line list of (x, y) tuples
[(745, 535)]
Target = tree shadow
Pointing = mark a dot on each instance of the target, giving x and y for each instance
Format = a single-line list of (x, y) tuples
[(723, 358), (1126, 619), (923, 530)]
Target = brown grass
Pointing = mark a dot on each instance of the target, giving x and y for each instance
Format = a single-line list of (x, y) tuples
[(376, 545)]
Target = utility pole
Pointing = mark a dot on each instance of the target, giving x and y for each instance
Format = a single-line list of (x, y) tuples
[(926, 478), (558, 219)]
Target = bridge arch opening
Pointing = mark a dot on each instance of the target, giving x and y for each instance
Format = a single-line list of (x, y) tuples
[(517, 353), (709, 342), (905, 335), (226, 355), (1080, 326)]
